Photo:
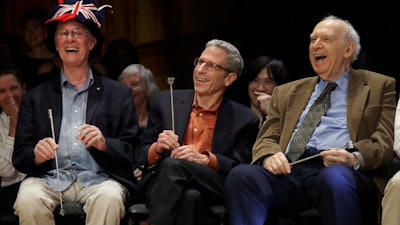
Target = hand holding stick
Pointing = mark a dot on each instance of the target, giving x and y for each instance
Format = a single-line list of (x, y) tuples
[(347, 146)]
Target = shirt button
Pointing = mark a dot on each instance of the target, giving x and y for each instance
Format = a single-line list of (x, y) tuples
[(195, 129)]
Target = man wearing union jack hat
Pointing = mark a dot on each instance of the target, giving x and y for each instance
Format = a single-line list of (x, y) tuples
[(76, 134)]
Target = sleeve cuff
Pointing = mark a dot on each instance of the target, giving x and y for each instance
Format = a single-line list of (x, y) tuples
[(153, 157), (213, 162)]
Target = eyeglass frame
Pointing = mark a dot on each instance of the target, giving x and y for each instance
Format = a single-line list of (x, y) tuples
[(64, 34), (210, 65)]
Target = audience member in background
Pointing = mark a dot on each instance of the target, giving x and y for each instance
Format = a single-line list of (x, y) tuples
[(143, 87), (391, 197), (340, 182), (186, 162), (96, 63), (89, 159), (260, 78), (119, 54), (11, 90), (39, 63), (96, 60)]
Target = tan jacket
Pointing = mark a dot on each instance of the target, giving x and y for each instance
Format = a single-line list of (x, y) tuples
[(370, 114)]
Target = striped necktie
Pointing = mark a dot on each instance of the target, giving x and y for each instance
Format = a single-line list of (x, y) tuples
[(310, 122)]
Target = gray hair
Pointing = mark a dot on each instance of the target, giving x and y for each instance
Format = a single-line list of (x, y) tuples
[(349, 33), (146, 77), (234, 60)]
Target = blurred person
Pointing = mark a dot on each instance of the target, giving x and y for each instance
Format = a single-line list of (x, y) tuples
[(353, 140), (186, 162), (11, 90), (39, 63), (87, 156), (143, 87), (119, 54)]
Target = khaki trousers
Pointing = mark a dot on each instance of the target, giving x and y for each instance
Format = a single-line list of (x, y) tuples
[(391, 202), (103, 203)]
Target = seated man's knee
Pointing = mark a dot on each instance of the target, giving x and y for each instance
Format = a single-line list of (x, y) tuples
[(239, 175), (110, 190), (334, 176)]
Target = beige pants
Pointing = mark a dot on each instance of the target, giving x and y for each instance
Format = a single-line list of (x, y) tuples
[(391, 202), (103, 203)]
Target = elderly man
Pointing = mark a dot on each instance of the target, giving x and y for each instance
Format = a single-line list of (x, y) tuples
[(349, 142), (76, 134)]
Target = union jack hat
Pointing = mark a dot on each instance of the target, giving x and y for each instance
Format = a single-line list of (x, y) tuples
[(85, 11)]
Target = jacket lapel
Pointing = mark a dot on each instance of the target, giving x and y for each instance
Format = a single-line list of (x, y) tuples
[(296, 103), (53, 94), (95, 93), (182, 106), (356, 99), (223, 125)]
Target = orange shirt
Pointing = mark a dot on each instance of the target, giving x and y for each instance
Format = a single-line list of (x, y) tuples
[(199, 133)]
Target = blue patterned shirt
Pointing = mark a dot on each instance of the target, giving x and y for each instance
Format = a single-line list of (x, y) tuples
[(74, 160)]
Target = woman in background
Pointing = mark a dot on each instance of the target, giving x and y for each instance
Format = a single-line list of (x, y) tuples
[(143, 86), (259, 80), (11, 90)]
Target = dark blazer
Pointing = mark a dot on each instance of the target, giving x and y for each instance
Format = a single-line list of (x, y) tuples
[(235, 130), (110, 107), (371, 106)]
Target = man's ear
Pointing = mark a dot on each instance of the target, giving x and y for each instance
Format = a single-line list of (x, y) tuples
[(230, 78), (93, 43), (349, 49)]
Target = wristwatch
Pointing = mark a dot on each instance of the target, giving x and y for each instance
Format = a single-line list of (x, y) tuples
[(357, 162)]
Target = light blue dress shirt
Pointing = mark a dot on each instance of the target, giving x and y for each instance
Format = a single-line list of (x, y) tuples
[(333, 130), (74, 159)]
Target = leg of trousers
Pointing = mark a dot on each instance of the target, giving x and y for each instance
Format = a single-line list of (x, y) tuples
[(189, 211), (179, 186), (338, 192), (103, 203), (391, 202), (345, 196)]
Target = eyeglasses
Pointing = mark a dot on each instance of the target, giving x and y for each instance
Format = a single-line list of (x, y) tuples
[(76, 33), (209, 65)]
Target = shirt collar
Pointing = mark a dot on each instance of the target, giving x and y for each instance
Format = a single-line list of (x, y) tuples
[(342, 82), (65, 82), (214, 108)]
